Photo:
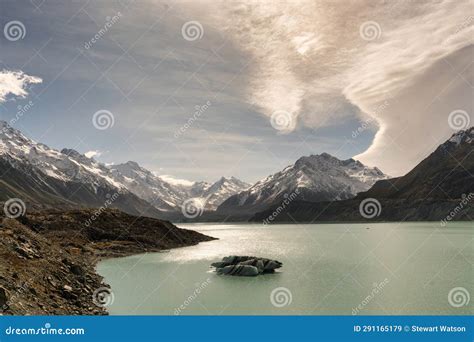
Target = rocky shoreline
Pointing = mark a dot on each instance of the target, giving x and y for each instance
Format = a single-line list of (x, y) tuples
[(48, 258)]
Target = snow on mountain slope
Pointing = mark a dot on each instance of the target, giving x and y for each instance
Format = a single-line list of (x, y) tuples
[(167, 196), (316, 177), (47, 178), (67, 165), (148, 186)]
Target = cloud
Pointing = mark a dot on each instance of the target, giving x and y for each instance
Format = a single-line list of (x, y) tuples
[(175, 181), (318, 62), (92, 154), (15, 83)]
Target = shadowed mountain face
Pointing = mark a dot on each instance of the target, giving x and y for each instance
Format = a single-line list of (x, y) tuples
[(447, 173), (440, 185), (314, 178), (46, 178)]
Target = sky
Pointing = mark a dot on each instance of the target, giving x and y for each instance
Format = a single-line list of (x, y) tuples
[(197, 90)]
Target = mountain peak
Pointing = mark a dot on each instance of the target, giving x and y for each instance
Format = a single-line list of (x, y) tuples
[(70, 152), (462, 136), (133, 164)]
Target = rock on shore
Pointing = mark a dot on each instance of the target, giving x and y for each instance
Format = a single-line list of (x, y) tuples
[(47, 259)]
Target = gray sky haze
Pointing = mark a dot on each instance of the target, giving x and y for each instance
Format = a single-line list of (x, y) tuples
[(202, 89)]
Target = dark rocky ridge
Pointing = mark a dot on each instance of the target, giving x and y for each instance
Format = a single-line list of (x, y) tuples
[(48, 258), (439, 185), (40, 191)]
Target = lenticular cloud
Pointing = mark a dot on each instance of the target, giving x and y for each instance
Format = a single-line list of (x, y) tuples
[(390, 62)]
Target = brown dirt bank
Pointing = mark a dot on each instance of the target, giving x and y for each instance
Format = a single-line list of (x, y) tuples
[(48, 258)]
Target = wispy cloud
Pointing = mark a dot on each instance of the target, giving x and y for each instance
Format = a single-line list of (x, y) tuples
[(175, 181), (15, 83), (313, 61)]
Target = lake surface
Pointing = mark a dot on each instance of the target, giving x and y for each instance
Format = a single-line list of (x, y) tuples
[(365, 269)]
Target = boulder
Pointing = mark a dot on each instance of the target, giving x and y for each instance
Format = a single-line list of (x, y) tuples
[(245, 265), (3, 298), (239, 270)]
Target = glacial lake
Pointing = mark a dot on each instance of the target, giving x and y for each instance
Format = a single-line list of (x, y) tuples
[(328, 269)]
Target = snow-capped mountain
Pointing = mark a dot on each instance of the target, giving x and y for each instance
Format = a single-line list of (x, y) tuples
[(314, 178), (215, 194), (440, 188), (147, 185), (67, 165), (45, 177), (166, 196), (70, 178), (444, 174)]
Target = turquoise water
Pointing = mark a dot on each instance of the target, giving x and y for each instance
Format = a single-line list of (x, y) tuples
[(366, 269)]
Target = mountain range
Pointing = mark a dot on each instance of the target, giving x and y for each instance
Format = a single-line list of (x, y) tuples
[(440, 187), (44, 177), (313, 178)]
